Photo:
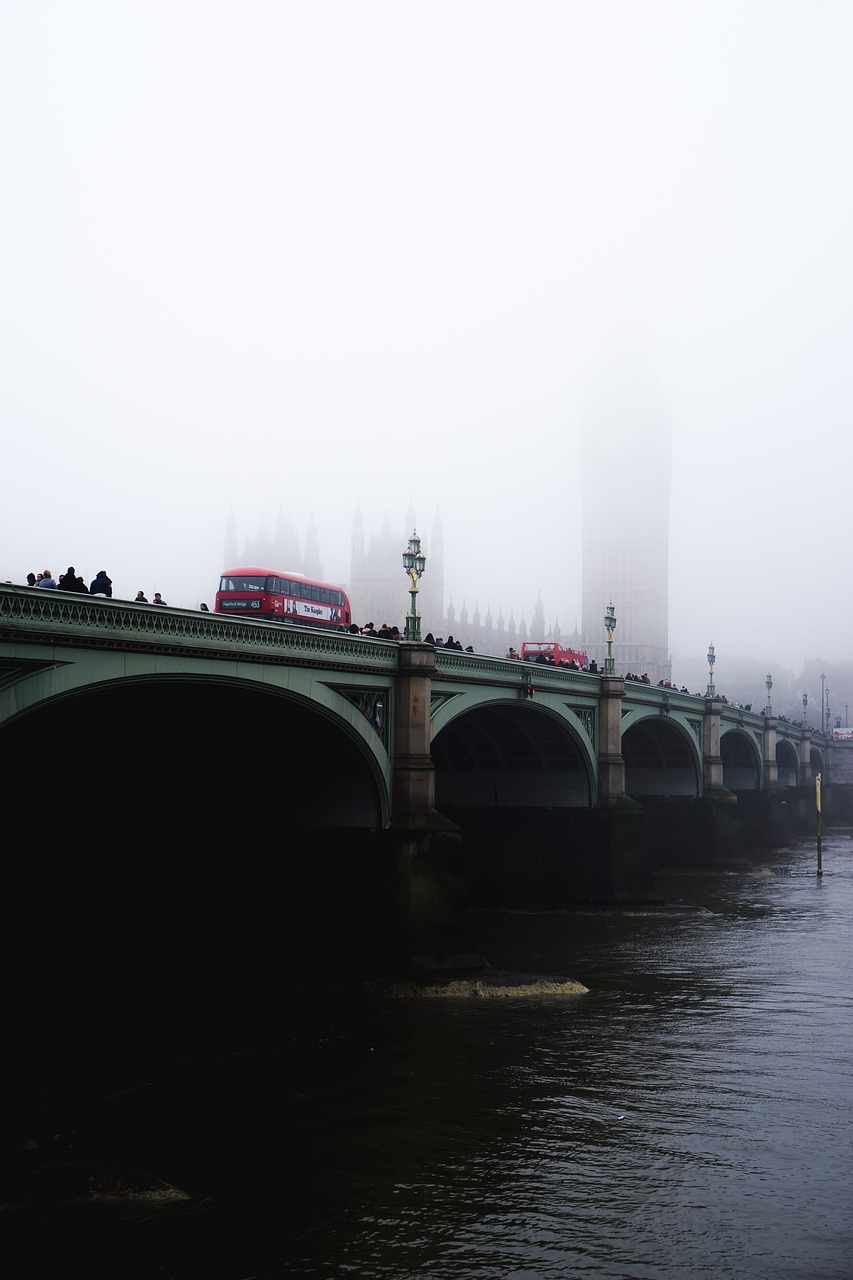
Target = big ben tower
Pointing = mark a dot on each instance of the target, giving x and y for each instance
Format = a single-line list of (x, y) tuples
[(626, 478)]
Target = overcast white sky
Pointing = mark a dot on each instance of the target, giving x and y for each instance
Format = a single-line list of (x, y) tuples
[(307, 256)]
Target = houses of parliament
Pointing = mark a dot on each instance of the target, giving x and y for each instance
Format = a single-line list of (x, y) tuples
[(377, 587), (624, 560), (623, 468)]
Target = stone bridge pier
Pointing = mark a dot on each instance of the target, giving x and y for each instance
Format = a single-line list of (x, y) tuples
[(426, 848)]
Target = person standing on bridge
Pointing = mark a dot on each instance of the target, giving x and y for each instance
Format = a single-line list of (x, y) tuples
[(158, 599), (47, 580), (101, 585), (141, 598), (70, 581)]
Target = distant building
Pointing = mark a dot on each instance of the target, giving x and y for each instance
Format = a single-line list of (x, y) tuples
[(626, 476), (379, 588), (279, 550)]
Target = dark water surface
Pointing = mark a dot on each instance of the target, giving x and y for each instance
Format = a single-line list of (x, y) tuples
[(690, 1116)]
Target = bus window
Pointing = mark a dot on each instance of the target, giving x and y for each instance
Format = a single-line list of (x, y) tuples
[(242, 584)]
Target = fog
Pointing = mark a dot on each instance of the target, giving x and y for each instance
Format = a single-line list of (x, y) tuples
[(325, 257)]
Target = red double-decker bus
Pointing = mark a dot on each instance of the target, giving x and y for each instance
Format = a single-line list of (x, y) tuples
[(548, 651), (252, 592)]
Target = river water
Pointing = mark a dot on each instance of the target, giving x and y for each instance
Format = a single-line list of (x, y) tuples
[(691, 1115)]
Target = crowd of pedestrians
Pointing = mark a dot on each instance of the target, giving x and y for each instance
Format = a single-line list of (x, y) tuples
[(449, 643), (101, 585), (386, 632), (370, 629)]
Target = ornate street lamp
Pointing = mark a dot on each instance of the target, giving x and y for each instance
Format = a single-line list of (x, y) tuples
[(414, 563), (769, 683), (822, 700), (827, 711), (805, 704), (610, 627), (711, 660)]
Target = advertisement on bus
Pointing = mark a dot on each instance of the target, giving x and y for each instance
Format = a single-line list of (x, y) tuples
[(253, 592)]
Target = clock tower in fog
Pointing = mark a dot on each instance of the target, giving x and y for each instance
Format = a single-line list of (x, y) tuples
[(626, 478)]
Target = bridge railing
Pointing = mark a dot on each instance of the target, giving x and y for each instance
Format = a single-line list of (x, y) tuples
[(458, 663), (38, 616), (63, 617)]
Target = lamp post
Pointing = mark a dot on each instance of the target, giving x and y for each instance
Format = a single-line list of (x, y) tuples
[(414, 563), (805, 704), (822, 699), (711, 660), (827, 711), (610, 627), (769, 684)]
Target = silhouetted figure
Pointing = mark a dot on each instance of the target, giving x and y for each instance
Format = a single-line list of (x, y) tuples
[(70, 582), (158, 599), (101, 585), (141, 598)]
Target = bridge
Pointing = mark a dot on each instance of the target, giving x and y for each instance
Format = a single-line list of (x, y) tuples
[(403, 774)]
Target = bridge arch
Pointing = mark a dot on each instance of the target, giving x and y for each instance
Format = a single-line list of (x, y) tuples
[(248, 758), (662, 757), (787, 763), (517, 777), (505, 753), (741, 757)]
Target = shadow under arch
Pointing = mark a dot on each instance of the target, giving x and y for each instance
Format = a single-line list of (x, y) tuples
[(171, 887), (203, 756), (741, 764), (788, 763), (659, 760), (503, 755)]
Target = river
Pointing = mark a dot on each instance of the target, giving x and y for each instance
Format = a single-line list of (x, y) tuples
[(689, 1116)]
